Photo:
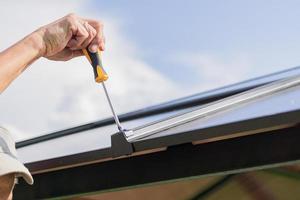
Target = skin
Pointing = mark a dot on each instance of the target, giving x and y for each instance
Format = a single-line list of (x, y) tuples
[(61, 40), (7, 183)]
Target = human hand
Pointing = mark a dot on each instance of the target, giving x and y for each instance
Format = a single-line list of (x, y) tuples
[(65, 38)]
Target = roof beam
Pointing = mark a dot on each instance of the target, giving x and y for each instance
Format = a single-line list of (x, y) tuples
[(259, 151)]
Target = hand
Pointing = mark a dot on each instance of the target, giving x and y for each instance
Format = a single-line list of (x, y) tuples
[(65, 38)]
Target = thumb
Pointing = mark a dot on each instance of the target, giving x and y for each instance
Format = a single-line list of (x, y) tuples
[(77, 53), (65, 55)]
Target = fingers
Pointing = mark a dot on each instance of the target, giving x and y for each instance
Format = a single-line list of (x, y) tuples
[(77, 53), (99, 40), (86, 33), (73, 34), (92, 33), (82, 37)]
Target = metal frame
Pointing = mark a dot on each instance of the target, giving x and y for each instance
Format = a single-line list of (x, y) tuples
[(269, 149), (213, 108), (220, 132)]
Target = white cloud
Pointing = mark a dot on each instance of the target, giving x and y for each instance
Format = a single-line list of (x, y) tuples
[(56, 95), (214, 71)]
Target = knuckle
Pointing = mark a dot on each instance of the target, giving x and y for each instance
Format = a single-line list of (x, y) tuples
[(72, 26), (99, 24), (71, 15), (89, 39), (85, 34), (90, 36), (93, 32), (98, 40)]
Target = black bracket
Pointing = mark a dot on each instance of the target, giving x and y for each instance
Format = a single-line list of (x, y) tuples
[(120, 146)]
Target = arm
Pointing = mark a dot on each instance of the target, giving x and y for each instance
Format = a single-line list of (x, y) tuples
[(61, 40), (14, 60)]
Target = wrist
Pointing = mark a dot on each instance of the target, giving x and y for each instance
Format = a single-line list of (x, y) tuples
[(36, 42)]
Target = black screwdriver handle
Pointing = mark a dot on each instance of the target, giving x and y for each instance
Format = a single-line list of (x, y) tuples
[(96, 62)]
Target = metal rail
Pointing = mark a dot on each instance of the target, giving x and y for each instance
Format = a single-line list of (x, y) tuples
[(214, 107)]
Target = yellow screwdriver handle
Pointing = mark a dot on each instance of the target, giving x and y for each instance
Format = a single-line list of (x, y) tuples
[(96, 62)]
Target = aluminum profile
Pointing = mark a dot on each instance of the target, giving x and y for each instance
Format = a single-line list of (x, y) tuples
[(213, 108)]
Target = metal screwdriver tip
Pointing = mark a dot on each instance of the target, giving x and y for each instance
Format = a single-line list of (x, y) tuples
[(120, 128)]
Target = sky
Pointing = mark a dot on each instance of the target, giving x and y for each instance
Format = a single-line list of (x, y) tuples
[(156, 51)]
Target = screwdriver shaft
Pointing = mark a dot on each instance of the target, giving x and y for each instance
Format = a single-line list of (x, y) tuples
[(112, 108)]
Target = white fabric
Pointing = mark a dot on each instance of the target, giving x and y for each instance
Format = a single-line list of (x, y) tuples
[(8, 158)]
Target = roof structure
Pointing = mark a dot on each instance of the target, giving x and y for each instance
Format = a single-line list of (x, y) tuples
[(244, 126)]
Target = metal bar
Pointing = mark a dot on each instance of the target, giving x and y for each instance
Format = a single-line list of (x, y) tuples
[(112, 108), (214, 107)]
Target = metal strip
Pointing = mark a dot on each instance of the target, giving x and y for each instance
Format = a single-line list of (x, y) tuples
[(116, 118), (214, 107)]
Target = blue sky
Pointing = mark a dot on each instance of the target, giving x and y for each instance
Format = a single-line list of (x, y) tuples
[(267, 32)]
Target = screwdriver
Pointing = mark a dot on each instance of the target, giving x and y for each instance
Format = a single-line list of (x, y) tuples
[(100, 77)]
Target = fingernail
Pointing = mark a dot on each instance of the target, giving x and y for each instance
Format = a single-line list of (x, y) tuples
[(93, 48), (102, 46)]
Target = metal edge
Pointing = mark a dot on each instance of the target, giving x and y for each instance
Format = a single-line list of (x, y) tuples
[(224, 130), (214, 107)]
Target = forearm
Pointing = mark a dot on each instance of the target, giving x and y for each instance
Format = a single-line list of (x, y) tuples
[(15, 59)]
